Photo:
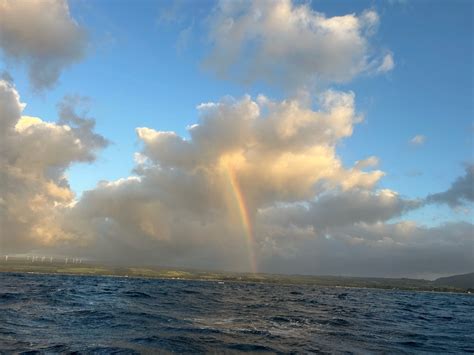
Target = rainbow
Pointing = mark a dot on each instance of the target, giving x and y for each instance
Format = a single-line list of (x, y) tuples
[(244, 216)]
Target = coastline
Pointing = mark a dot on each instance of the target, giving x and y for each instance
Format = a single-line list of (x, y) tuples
[(39, 268)]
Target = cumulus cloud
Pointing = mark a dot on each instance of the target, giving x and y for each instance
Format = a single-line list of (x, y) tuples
[(188, 195), (259, 179), (419, 139), (280, 149), (34, 191), (291, 44), (42, 35), (460, 192)]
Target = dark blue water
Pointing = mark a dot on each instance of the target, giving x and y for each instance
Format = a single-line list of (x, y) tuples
[(60, 314)]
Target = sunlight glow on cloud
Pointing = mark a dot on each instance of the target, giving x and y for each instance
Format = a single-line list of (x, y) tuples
[(279, 152), (34, 157)]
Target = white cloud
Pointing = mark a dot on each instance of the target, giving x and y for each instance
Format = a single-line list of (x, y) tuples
[(367, 163), (290, 44), (42, 35), (387, 64), (419, 139)]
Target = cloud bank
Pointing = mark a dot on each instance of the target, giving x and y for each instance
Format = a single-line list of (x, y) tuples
[(291, 45), (42, 35), (257, 181), (380, 249)]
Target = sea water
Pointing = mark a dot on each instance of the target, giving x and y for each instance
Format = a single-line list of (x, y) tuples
[(60, 314)]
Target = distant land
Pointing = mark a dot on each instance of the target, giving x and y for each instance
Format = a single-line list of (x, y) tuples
[(458, 283), (464, 281)]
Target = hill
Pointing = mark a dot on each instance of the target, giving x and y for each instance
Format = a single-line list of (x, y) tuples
[(465, 281)]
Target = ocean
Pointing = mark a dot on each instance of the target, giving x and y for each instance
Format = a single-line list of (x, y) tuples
[(104, 315)]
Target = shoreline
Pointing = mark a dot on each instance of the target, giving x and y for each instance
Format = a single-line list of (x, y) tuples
[(85, 270)]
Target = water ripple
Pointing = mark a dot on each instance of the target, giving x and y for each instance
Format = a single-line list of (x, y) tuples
[(107, 315)]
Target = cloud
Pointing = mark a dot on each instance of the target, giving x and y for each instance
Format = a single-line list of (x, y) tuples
[(171, 13), (84, 125), (184, 38), (256, 180), (460, 193), (387, 64), (419, 139), (368, 162), (259, 179), (402, 249), (342, 208), (34, 156), (281, 148), (188, 196), (289, 44), (42, 35)]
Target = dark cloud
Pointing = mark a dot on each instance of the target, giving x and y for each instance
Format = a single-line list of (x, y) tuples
[(337, 209), (83, 125), (460, 192), (401, 249)]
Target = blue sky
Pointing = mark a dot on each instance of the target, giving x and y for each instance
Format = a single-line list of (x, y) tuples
[(144, 67)]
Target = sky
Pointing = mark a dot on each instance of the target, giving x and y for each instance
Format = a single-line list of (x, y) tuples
[(310, 137)]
